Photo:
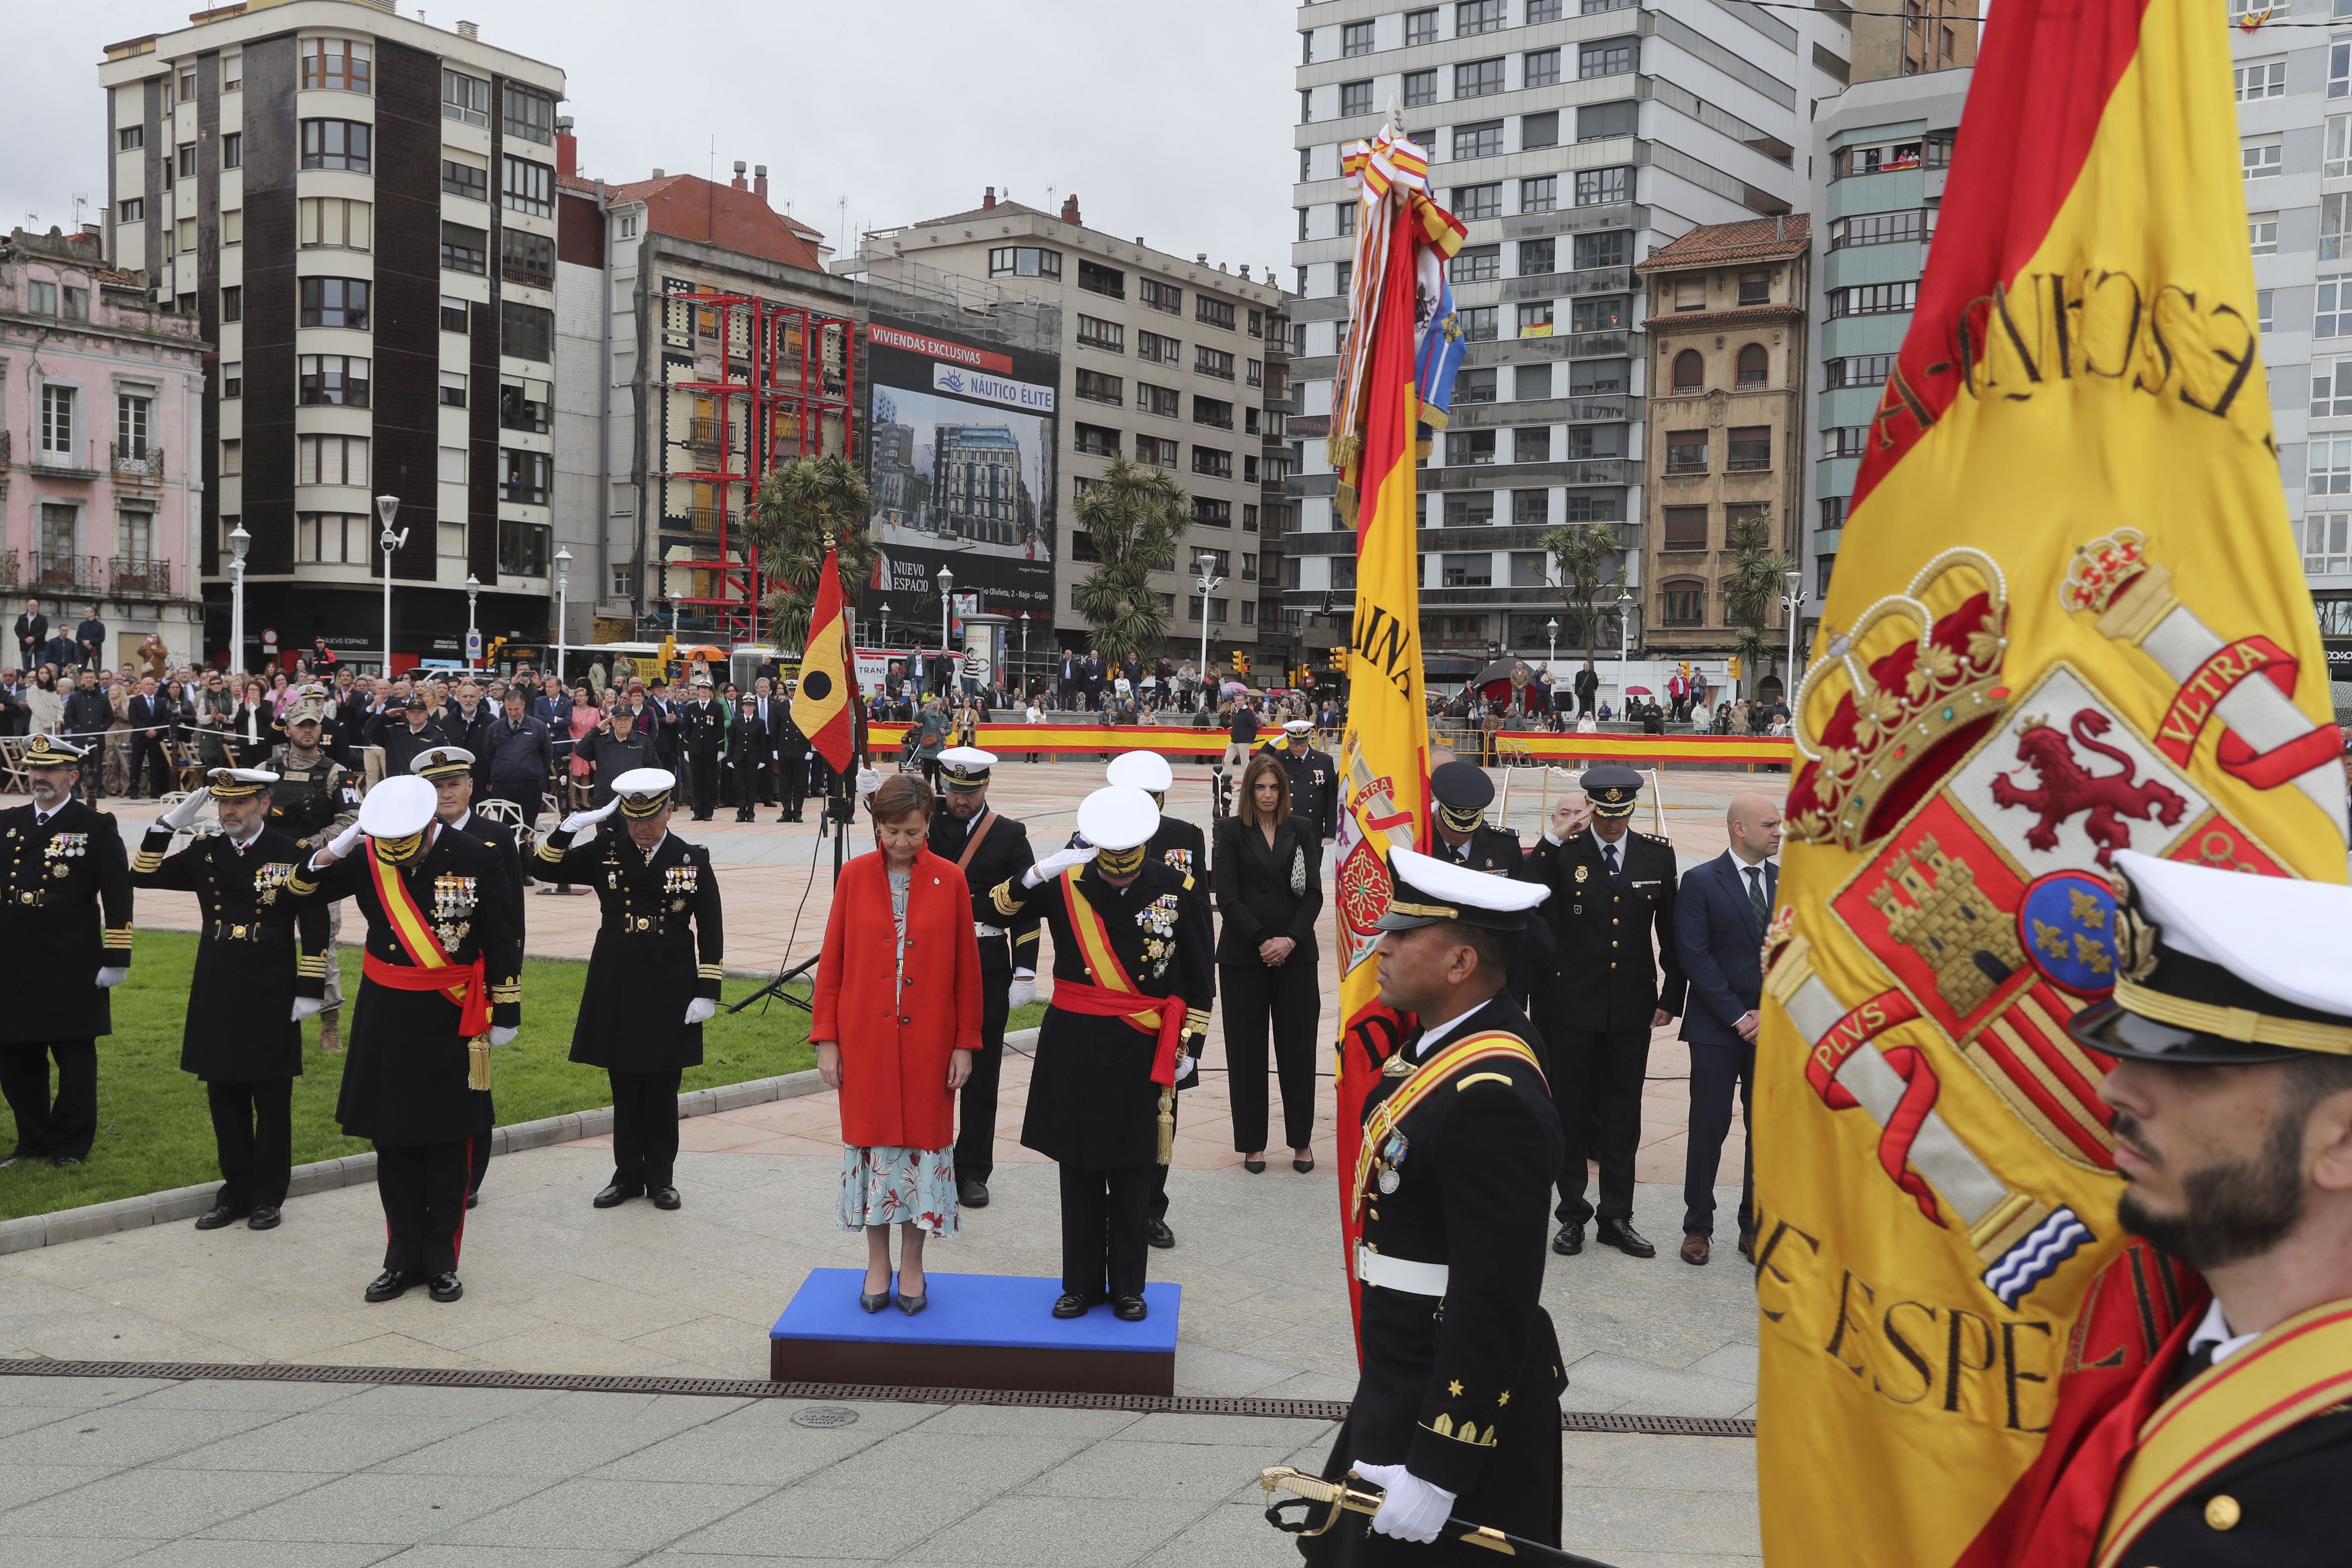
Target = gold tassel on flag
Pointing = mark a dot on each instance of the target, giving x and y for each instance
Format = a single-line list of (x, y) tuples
[(477, 1063)]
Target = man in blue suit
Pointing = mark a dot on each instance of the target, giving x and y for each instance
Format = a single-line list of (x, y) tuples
[(1720, 916)]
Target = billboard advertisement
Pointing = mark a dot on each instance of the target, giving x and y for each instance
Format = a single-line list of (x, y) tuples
[(960, 458)]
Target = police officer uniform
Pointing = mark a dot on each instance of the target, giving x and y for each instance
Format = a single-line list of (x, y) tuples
[(261, 969), (989, 849), (314, 797), (1314, 778), (391, 730), (702, 725), (1462, 1371), (1181, 846), (419, 1057), (1608, 901), (1113, 1043), (653, 978), (437, 767), (1462, 792), (65, 922), (793, 763)]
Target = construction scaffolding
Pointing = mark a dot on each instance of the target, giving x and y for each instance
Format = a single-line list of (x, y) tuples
[(780, 384)]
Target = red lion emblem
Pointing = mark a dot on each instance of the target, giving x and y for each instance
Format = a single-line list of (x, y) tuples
[(2067, 789)]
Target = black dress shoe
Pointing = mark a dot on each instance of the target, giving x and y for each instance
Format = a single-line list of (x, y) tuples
[(614, 1195), (63, 1160), (667, 1198), (474, 1200), (1621, 1235), (219, 1214), (1069, 1306), (1570, 1240), (1129, 1309), (1160, 1235), (445, 1287), (972, 1194), (390, 1283), (265, 1217)]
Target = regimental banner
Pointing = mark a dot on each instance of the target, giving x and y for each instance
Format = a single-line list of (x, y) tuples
[(2068, 619)]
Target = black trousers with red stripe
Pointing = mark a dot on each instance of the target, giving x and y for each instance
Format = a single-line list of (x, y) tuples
[(423, 1187)]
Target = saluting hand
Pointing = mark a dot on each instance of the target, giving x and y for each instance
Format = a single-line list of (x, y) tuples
[(1570, 816)]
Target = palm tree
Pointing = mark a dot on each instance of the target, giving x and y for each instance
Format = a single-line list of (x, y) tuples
[(802, 507), (1133, 516), (1758, 576), (1579, 552)]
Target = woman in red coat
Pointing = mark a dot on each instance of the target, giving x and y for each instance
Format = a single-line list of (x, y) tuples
[(896, 1020)]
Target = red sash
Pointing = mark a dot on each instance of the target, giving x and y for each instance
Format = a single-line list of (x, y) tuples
[(429, 967), (1104, 1002)]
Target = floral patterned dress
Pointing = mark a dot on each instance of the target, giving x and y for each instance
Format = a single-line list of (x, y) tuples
[(887, 1185)]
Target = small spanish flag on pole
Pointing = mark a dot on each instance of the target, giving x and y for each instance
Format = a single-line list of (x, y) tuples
[(2069, 620), (821, 703)]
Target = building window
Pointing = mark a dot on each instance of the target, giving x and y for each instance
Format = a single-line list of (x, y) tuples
[(233, 378), (1213, 513), (1529, 382), (328, 460), (1217, 363), (527, 187), (232, 72), (1531, 509), (1612, 56), (1685, 451), (1215, 464), (1532, 445), (1607, 315), (1598, 187), (336, 223), (2264, 78), (1535, 258), (2335, 218), (1682, 603), (1355, 98), (2339, 69), (1844, 440), (1096, 440), (1478, 79), (1690, 372), (1539, 195), (332, 538), (187, 235), (130, 138), (1355, 39), (1155, 451), (1154, 295), (523, 405), (233, 150), (526, 112), (453, 389), (2331, 387), (1832, 515), (1586, 442), (2261, 159), (1469, 448), (2331, 314), (130, 209), (1748, 449), (452, 315), (1476, 509), (2325, 544), (465, 249), (1108, 281), (187, 170), (2330, 469), (1478, 264), (523, 476), (1866, 370), (522, 548), (340, 64), (1881, 228), (2265, 316), (335, 302), (526, 332), (1535, 320), (1160, 400), (1481, 140), (1686, 528), (1477, 324), (1472, 16), (1873, 299), (1212, 411), (336, 144), (1538, 131), (1466, 571), (527, 257), (1023, 261), (1754, 366), (1212, 312), (232, 306), (1541, 11), (1540, 67), (2262, 233), (336, 381), (1613, 247), (467, 180), (1420, 27), (131, 424), (1097, 387), (466, 98), (1756, 286), (1473, 202), (1420, 88)]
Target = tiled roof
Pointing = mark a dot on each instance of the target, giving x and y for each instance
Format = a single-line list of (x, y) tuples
[(1752, 239), (691, 207), (1713, 320)]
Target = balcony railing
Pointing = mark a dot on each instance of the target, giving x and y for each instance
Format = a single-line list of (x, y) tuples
[(139, 462), (138, 577), (78, 573)]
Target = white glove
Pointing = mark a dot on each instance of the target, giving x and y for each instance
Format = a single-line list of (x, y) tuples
[(702, 1010), (113, 974), (868, 781), (1187, 1063), (308, 1007), (500, 1034), (1024, 988), (1413, 1509), (580, 819), (344, 842), (185, 813), (1054, 865)]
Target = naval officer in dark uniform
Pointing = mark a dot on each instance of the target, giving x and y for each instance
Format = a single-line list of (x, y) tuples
[(315, 797), (65, 922), (450, 770), (1457, 1406), (653, 978), (1181, 846), (1131, 986), (1461, 793), (1612, 890), (702, 725), (1314, 778), (438, 922), (261, 969), (988, 848)]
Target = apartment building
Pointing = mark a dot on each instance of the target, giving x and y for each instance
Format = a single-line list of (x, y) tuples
[(358, 209), (1174, 362), (1923, 36), (99, 397), (1573, 139), (1882, 154), (702, 343), (1724, 311)]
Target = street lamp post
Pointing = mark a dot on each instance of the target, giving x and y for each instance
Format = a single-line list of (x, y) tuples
[(473, 626), (1796, 604), (1624, 647), (947, 588), (886, 624), (386, 508), (1209, 584), (563, 595), (239, 542), (1025, 653), (1552, 633)]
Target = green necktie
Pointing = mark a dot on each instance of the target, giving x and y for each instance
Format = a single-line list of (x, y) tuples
[(1756, 898)]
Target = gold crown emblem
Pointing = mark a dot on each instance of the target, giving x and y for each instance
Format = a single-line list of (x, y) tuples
[(1889, 707), (2101, 568)]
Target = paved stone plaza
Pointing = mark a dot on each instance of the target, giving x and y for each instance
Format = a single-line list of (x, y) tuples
[(203, 1473)]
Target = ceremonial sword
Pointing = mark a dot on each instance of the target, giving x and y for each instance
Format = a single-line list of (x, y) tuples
[(1306, 1491)]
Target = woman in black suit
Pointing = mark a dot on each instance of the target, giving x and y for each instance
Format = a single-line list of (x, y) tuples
[(1268, 878)]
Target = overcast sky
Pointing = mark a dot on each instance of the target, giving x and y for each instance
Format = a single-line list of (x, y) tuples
[(1172, 121)]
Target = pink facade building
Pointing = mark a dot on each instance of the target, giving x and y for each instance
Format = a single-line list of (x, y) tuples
[(101, 392)]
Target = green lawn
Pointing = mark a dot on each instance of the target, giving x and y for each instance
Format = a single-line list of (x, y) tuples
[(154, 1132)]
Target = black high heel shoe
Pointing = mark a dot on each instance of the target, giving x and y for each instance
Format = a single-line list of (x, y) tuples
[(1255, 1167), (1303, 1166), (875, 1301)]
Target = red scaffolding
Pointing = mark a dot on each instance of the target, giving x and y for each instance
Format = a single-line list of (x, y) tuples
[(786, 378)]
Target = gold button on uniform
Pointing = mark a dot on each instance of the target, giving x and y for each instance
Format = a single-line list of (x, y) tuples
[(2221, 1511)]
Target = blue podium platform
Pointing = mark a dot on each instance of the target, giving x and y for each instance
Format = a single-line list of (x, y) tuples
[(979, 1331)]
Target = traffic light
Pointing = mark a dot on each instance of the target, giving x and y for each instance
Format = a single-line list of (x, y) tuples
[(1732, 671), (1241, 662), (668, 653), (1340, 662), (491, 653)]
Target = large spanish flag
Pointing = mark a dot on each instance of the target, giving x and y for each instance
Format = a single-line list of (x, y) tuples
[(2068, 618), (1378, 414)]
